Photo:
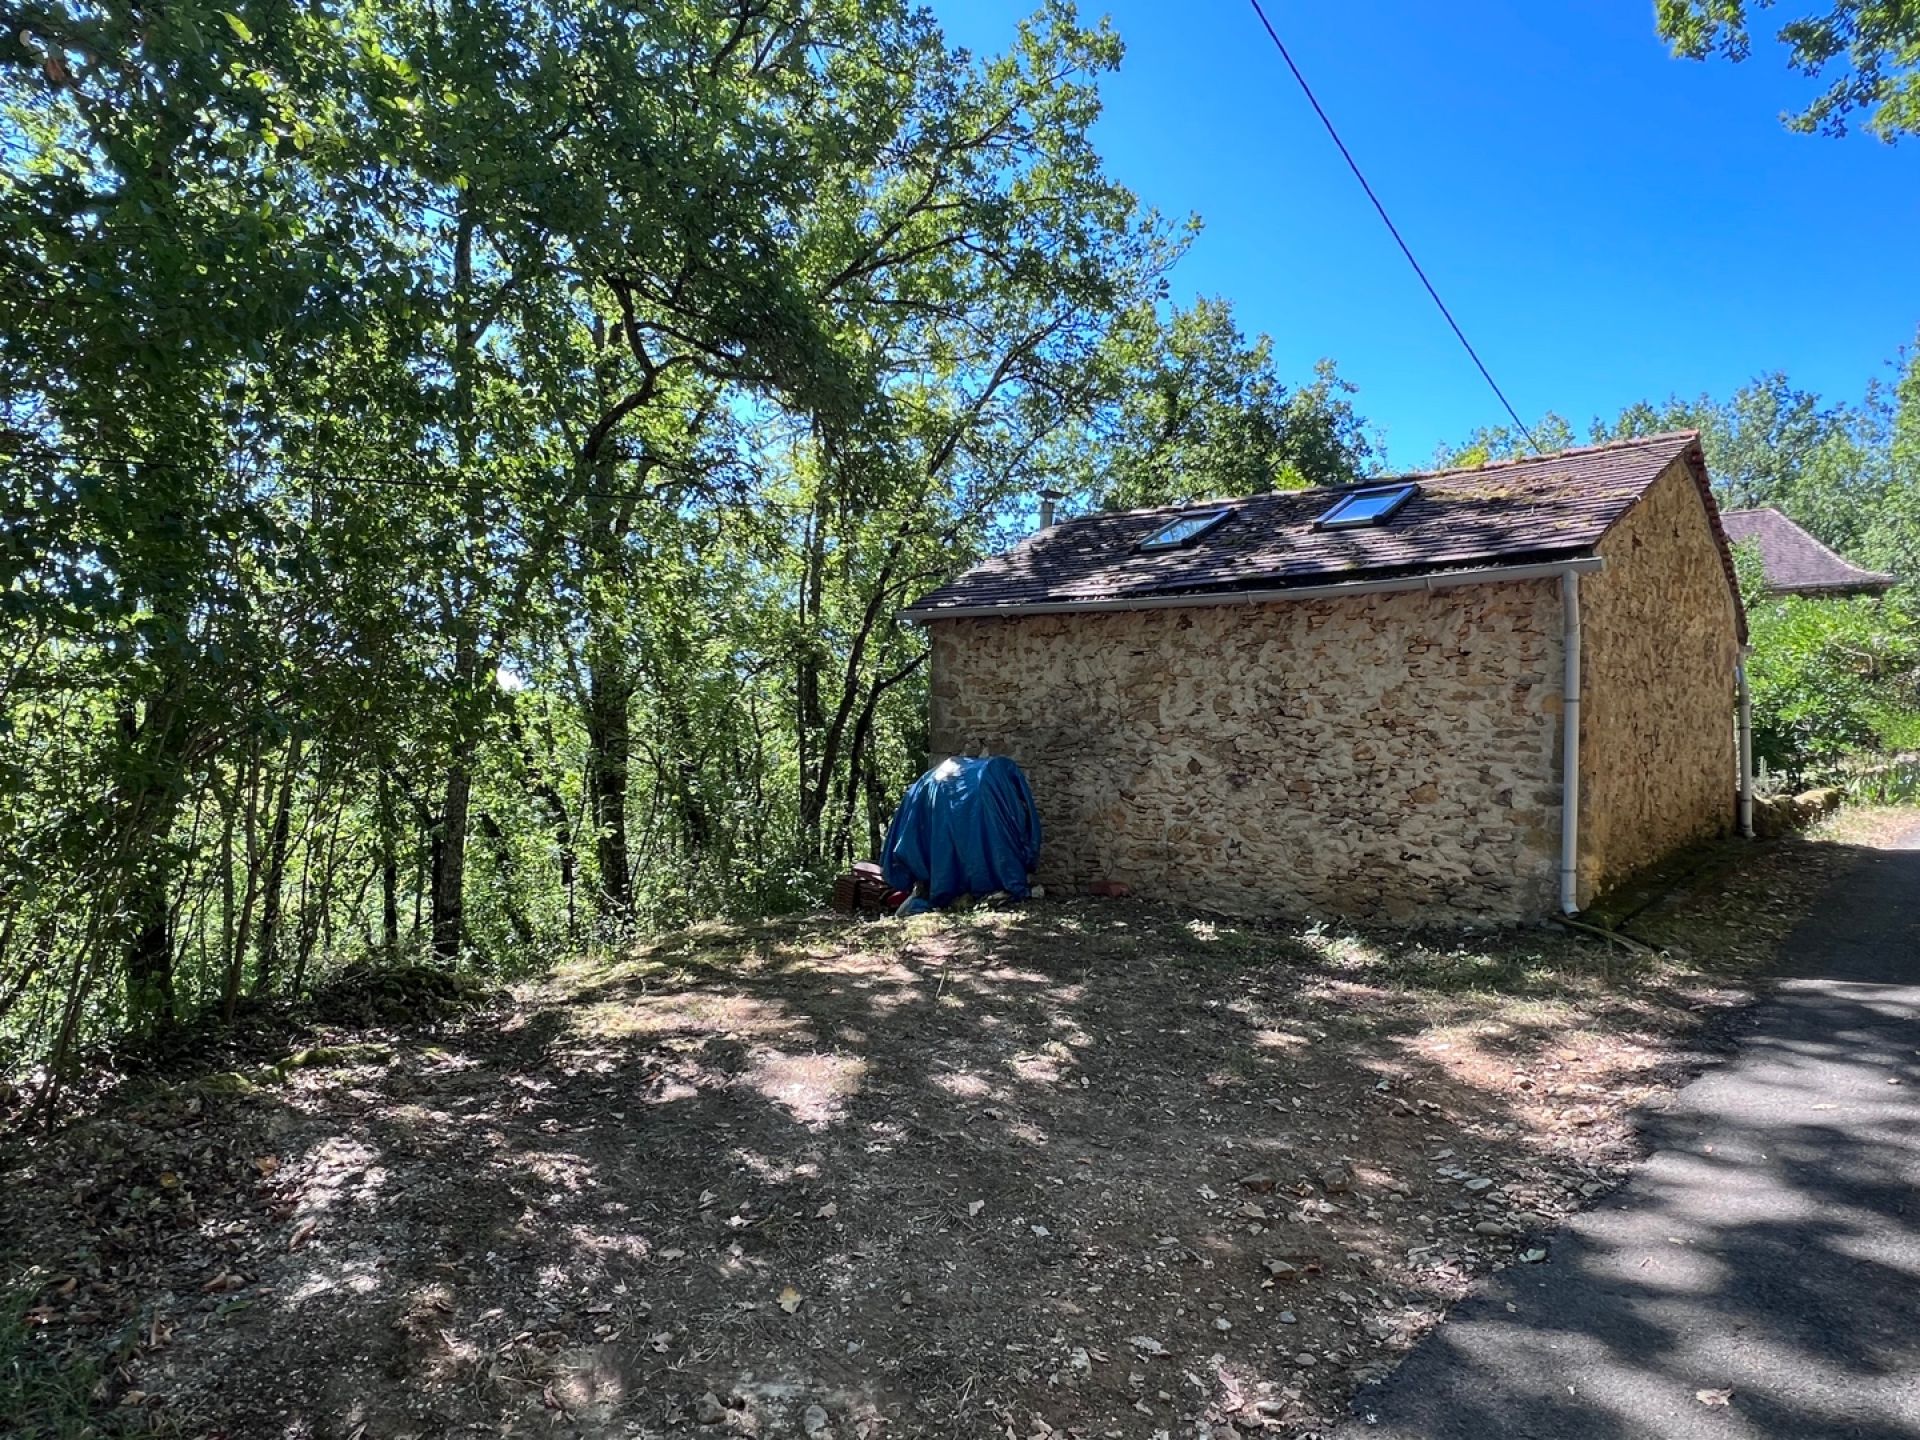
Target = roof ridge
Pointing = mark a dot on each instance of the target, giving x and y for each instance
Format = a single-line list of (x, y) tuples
[(1376, 481), (1628, 443)]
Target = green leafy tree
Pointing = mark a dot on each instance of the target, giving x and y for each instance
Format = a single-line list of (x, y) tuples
[(1866, 51), (1831, 679), (1886, 531), (1189, 408), (1491, 443), (462, 464)]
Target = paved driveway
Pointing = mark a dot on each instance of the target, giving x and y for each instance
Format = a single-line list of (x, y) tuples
[(1770, 1246)]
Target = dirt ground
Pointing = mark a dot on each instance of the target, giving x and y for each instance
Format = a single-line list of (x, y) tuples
[(1085, 1168)]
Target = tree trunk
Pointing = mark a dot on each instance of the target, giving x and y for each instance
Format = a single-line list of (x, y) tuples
[(811, 718), (237, 936), (450, 864), (150, 954), (450, 827), (503, 858), (318, 917), (147, 801), (540, 785), (230, 971), (389, 870), (609, 749), (266, 941)]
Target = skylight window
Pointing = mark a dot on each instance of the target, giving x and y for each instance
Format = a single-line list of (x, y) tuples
[(1374, 505), (1183, 530)]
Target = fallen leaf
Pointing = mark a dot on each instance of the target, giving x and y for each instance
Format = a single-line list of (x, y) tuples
[(976, 1207), (266, 1164), (826, 1211), (302, 1233), (1714, 1397), (790, 1299)]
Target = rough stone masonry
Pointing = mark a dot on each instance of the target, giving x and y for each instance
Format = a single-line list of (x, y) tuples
[(1391, 756)]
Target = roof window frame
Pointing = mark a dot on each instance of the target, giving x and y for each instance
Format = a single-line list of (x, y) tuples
[(1211, 516), (1402, 491)]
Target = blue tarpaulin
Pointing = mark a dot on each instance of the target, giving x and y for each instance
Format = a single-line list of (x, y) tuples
[(966, 827)]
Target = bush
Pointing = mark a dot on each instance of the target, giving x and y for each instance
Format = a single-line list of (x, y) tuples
[(1832, 679), (1894, 781)]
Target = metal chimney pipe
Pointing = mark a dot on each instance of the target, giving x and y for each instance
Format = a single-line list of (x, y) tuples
[(1047, 501)]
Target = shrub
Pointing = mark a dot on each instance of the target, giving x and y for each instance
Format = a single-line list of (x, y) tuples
[(1832, 679)]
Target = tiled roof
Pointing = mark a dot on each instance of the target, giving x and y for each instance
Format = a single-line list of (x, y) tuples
[(1538, 509), (1794, 562)]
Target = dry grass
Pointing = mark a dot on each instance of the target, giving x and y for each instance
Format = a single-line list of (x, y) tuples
[(1085, 1167), (1877, 826)]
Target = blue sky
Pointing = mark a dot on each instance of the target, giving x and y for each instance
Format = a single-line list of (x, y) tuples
[(1607, 223)]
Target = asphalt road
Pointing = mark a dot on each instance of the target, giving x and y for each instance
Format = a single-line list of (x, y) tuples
[(1770, 1245)]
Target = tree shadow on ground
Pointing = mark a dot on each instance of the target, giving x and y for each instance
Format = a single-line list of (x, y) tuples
[(933, 1178), (1768, 1248)]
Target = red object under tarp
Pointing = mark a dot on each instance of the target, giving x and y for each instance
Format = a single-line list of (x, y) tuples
[(861, 888)]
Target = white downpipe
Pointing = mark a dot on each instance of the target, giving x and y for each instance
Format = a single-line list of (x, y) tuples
[(1570, 744), (1746, 741)]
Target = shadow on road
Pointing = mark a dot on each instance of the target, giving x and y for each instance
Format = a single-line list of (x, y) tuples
[(1770, 1247)]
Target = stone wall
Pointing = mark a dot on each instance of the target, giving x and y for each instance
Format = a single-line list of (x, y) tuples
[(1392, 756), (1659, 644)]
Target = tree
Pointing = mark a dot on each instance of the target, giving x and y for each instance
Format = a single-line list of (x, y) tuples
[(167, 261), (1889, 533), (1189, 408), (1831, 679), (1769, 443), (1873, 45), (463, 463), (1500, 442)]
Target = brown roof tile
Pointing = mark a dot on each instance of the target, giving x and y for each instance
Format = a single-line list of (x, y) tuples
[(1541, 508), (1794, 562)]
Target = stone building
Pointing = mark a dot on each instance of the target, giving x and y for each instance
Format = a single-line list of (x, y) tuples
[(1355, 701)]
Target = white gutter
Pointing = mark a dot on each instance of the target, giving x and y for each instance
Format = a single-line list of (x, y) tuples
[(1570, 743), (1493, 575), (1745, 692)]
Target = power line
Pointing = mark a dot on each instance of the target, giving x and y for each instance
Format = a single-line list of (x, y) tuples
[(1392, 229)]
